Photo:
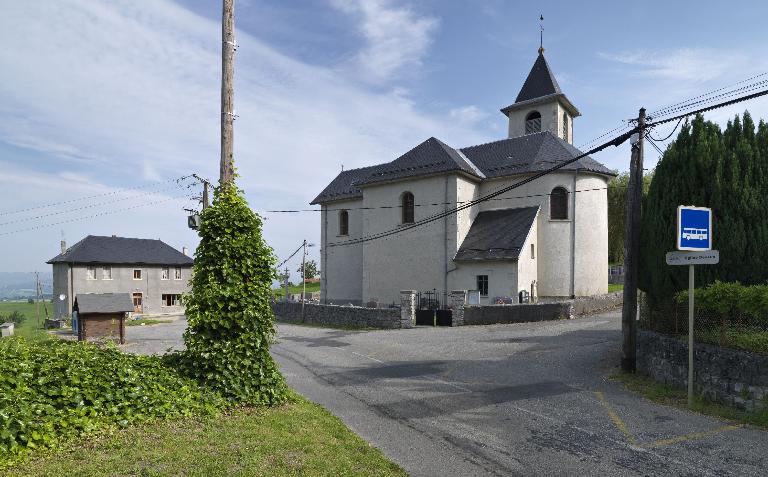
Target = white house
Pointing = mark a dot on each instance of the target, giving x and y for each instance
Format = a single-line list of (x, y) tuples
[(549, 236)]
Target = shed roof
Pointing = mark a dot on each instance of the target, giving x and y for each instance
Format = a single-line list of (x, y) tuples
[(122, 250), (497, 234), (104, 303)]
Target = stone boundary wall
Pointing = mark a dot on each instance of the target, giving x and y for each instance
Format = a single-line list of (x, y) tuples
[(587, 305), (335, 315), (732, 377), (498, 314)]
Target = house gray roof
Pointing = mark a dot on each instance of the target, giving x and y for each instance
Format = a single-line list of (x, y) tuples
[(104, 303), (121, 250), (520, 155), (497, 234), (540, 81)]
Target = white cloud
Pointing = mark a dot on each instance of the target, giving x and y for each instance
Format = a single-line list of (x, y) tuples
[(397, 37), (468, 114), (121, 93), (681, 64)]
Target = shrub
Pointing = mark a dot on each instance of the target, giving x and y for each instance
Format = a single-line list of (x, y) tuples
[(729, 299), (231, 323), (13, 317), (56, 389)]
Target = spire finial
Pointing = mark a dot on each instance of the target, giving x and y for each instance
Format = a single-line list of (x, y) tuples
[(541, 34)]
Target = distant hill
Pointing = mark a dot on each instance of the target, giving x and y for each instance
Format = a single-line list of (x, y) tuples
[(20, 285)]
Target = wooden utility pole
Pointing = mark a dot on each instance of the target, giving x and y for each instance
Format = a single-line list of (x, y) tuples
[(37, 296), (632, 250), (285, 284), (303, 278), (226, 166), (204, 200)]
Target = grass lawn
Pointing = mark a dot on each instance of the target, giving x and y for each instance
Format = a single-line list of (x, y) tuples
[(615, 287), (147, 322), (28, 328), (669, 396), (311, 287), (299, 438)]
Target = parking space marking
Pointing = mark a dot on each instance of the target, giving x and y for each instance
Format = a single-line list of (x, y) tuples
[(691, 437), (615, 418), (621, 426)]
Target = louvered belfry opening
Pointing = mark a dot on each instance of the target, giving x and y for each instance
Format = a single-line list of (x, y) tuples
[(558, 204), (533, 122)]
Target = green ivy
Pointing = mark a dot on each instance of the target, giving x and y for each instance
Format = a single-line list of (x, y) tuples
[(230, 320), (53, 390)]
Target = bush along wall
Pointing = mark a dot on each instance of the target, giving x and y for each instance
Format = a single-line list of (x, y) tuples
[(53, 390)]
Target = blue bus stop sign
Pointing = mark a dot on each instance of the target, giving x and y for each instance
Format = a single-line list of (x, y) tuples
[(694, 228)]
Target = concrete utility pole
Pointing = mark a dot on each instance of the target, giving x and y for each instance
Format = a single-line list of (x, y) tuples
[(632, 251), (285, 284), (226, 166)]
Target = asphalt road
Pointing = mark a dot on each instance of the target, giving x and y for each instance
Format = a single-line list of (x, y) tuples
[(528, 399)]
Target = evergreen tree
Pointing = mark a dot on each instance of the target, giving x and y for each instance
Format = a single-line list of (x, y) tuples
[(725, 170)]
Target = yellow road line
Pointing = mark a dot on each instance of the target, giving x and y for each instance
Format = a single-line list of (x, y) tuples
[(690, 437), (615, 418)]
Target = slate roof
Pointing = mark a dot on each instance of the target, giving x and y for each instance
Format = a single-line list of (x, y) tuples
[(530, 153), (497, 234), (122, 250), (104, 303), (540, 81)]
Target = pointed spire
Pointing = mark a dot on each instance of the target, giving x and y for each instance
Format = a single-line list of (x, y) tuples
[(540, 81)]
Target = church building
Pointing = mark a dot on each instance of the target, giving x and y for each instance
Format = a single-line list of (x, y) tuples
[(548, 237)]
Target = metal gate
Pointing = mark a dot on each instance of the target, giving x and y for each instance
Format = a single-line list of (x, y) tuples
[(432, 308)]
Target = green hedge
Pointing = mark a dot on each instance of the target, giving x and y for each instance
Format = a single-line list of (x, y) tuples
[(730, 299), (54, 390)]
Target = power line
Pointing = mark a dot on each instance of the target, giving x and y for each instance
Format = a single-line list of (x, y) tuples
[(399, 206), (294, 253), (706, 94), (75, 219), (710, 108), (670, 134), (105, 194), (91, 206), (728, 94), (615, 142)]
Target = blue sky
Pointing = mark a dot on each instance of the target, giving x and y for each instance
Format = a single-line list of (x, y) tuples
[(97, 97)]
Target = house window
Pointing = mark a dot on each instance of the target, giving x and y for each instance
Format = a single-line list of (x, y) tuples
[(558, 204), (343, 222), (565, 126), (165, 273), (106, 273), (407, 205), (533, 251), (137, 274), (172, 299), (533, 122), (91, 273), (482, 284), (177, 273)]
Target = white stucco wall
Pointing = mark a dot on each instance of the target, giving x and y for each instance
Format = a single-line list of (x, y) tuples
[(527, 265), (502, 278), (591, 235), (414, 259), (341, 267)]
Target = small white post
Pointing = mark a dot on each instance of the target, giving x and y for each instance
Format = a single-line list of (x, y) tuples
[(690, 334)]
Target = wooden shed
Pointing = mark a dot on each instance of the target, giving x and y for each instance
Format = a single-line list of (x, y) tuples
[(102, 315)]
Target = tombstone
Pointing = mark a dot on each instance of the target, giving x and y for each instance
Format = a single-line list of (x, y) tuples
[(6, 329)]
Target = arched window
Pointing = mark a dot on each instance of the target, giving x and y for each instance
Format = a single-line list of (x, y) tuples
[(533, 122), (407, 204), (343, 222), (565, 126), (558, 204)]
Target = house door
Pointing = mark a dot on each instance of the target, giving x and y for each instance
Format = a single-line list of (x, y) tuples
[(138, 303)]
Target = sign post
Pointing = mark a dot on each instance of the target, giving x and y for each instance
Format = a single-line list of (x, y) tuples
[(694, 240)]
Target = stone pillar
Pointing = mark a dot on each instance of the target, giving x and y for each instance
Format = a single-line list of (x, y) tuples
[(407, 308), (457, 301)]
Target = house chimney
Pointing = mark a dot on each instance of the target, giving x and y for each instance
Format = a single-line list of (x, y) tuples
[(63, 246), (184, 250)]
